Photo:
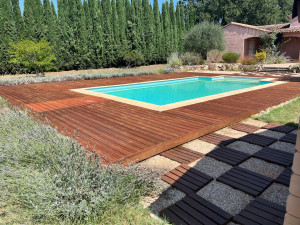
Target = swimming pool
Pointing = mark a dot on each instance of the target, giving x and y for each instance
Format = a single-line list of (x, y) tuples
[(168, 92)]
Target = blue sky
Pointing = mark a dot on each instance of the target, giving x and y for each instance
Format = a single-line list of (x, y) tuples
[(55, 2)]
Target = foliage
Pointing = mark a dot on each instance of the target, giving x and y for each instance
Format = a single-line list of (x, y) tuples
[(275, 59), (287, 113), (230, 57), (191, 58), (54, 178), (32, 56), (260, 56), (254, 12), (204, 37), (133, 58), (174, 60), (214, 56), (74, 77), (93, 34), (249, 61)]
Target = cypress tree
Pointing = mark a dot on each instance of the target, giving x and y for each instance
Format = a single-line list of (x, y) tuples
[(116, 31), (19, 22), (166, 30), (157, 53), (121, 10)]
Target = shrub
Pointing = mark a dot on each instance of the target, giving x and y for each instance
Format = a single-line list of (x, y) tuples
[(230, 57), (174, 60), (249, 61), (191, 58), (32, 56), (133, 58), (214, 56), (204, 37), (260, 56), (275, 59), (55, 178)]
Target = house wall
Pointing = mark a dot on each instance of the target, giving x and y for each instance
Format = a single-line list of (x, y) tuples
[(292, 47), (235, 38)]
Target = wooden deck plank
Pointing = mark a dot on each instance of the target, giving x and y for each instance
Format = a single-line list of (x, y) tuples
[(125, 132)]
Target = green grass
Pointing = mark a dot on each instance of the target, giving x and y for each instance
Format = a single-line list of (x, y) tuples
[(47, 178), (286, 114)]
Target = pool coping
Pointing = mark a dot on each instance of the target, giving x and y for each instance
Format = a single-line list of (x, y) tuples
[(170, 106)]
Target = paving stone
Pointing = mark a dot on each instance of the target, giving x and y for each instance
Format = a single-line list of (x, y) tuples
[(261, 211), (195, 210), (258, 140), (275, 156), (186, 179), (289, 138), (285, 177), (228, 155), (182, 155), (279, 127), (217, 139), (245, 180), (245, 127)]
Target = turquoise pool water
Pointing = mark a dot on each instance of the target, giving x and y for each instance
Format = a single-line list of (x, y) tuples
[(172, 91)]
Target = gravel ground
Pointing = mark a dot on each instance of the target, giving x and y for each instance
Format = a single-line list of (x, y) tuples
[(287, 147), (211, 166), (295, 132), (270, 133), (160, 165), (276, 193), (264, 168), (231, 132), (253, 122), (227, 198), (244, 147), (200, 146), (167, 198)]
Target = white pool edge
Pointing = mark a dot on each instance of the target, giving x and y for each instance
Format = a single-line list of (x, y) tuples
[(177, 104)]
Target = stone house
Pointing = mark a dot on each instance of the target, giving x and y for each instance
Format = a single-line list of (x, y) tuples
[(244, 38)]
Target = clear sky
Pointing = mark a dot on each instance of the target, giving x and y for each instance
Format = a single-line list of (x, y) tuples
[(55, 2)]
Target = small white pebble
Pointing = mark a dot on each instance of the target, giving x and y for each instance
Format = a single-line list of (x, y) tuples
[(283, 146), (244, 147), (276, 193), (231, 132), (262, 167), (253, 122), (200, 146), (211, 167), (227, 198)]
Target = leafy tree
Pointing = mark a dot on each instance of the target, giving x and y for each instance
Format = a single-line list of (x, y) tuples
[(133, 58), (204, 37), (32, 56)]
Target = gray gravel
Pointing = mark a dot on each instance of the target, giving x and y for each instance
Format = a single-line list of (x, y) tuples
[(225, 197), (287, 147), (211, 166), (262, 167), (270, 133), (295, 132), (167, 198), (244, 147), (200, 146), (276, 193)]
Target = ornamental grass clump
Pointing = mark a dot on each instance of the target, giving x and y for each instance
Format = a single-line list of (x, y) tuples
[(231, 57), (56, 179)]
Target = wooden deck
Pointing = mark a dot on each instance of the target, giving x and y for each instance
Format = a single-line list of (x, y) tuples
[(126, 132)]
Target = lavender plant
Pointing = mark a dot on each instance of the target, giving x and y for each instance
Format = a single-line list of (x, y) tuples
[(56, 178)]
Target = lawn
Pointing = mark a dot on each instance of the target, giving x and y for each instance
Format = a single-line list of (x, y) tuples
[(285, 114), (47, 178)]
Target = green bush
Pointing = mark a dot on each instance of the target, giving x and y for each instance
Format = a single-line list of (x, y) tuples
[(191, 58), (249, 61), (260, 56), (32, 56), (174, 60), (133, 58), (204, 37), (275, 59), (54, 178), (214, 56), (230, 57)]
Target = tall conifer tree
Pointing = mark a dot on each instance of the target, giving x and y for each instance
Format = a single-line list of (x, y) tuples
[(19, 22)]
